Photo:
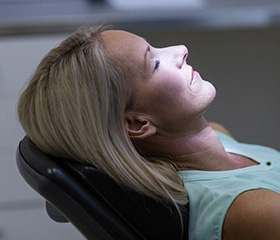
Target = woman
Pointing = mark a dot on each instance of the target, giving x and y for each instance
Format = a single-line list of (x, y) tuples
[(136, 112)]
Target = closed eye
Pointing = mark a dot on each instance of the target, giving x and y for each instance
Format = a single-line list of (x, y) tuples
[(157, 63)]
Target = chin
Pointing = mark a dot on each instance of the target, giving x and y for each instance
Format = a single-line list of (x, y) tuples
[(213, 91), (209, 95), (210, 90)]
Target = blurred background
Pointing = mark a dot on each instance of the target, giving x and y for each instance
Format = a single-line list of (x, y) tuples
[(234, 44)]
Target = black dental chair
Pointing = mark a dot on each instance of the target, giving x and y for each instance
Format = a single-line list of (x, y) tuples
[(94, 203)]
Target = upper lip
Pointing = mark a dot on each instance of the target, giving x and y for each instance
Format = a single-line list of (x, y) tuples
[(191, 75)]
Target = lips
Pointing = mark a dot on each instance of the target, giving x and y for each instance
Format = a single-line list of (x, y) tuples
[(192, 76), (195, 76)]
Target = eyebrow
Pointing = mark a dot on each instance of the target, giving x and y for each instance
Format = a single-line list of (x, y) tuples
[(145, 57)]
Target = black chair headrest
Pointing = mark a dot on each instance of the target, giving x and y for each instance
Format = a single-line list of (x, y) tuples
[(86, 196)]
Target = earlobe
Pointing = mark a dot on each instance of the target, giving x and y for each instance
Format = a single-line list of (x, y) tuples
[(139, 127)]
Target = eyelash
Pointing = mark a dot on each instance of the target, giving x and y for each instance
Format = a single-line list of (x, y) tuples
[(157, 63)]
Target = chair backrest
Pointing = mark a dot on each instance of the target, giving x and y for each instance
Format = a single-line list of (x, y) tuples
[(94, 203)]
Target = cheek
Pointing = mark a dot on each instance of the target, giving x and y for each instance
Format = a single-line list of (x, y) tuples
[(168, 97), (170, 86), (163, 94)]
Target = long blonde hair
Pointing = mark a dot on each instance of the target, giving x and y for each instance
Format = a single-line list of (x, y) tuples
[(74, 106)]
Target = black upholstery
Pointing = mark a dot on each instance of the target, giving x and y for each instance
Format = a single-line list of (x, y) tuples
[(93, 202)]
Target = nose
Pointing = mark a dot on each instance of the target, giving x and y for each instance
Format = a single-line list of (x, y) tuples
[(180, 54)]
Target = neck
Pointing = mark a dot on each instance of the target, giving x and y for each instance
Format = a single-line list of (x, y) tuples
[(201, 151), (198, 149)]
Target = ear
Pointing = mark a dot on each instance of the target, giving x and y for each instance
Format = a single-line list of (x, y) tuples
[(139, 127)]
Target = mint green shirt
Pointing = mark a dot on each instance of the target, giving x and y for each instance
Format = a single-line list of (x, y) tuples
[(211, 193)]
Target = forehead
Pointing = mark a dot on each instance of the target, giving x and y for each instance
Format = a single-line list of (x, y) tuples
[(125, 46)]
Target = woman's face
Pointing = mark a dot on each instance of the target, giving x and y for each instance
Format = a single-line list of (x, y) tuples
[(164, 86)]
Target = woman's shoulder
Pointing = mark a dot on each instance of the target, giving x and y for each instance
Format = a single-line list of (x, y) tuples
[(253, 215)]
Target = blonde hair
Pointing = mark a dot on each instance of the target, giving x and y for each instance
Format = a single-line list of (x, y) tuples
[(74, 106)]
